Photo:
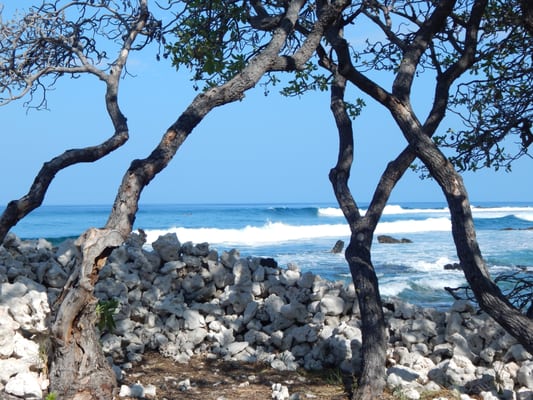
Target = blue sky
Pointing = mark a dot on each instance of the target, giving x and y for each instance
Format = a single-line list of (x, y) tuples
[(264, 149)]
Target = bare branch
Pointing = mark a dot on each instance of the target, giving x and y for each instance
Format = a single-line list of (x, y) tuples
[(72, 58), (45, 43)]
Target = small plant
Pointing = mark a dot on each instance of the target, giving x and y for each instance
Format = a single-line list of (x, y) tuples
[(399, 394), (43, 357), (51, 396), (334, 377), (45, 348), (105, 311)]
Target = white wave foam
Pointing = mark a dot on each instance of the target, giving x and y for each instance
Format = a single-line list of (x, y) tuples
[(439, 282), (528, 216), (525, 213), (272, 232), (411, 226), (393, 288), (276, 232), (431, 266), (330, 212), (396, 286), (391, 209), (395, 209)]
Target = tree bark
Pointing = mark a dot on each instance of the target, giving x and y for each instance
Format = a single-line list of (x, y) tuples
[(490, 298), (371, 381), (18, 209), (141, 172), (79, 369)]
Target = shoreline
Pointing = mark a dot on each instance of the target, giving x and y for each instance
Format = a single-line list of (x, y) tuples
[(184, 299), (304, 234)]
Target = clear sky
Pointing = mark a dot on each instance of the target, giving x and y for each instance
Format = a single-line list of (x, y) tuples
[(264, 149)]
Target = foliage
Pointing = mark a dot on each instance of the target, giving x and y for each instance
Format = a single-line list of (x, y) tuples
[(105, 311), (309, 79), (496, 103), (305, 80), (51, 396), (216, 39), (209, 38), (334, 377), (440, 394)]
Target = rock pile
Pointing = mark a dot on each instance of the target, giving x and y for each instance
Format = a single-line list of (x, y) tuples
[(185, 299)]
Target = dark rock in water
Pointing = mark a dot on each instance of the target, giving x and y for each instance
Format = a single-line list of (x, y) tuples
[(454, 266), (268, 262), (389, 306), (338, 247), (390, 239)]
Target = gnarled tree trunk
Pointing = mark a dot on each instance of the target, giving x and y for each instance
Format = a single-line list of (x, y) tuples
[(78, 367), (18, 209)]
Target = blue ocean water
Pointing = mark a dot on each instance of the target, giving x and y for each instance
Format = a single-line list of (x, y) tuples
[(303, 234)]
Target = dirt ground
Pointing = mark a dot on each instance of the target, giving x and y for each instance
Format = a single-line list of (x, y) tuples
[(225, 380)]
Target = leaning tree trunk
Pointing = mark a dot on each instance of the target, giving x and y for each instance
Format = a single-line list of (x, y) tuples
[(372, 375), (141, 172), (489, 296)]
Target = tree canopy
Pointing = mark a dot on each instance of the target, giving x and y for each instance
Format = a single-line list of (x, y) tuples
[(495, 100)]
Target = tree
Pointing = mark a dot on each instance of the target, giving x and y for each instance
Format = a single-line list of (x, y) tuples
[(372, 378), (452, 39), (435, 44), (78, 369), (43, 46)]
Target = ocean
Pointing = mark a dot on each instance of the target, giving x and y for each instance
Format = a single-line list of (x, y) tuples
[(304, 234)]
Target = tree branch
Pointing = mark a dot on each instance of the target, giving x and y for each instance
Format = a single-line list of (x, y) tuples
[(18, 209)]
